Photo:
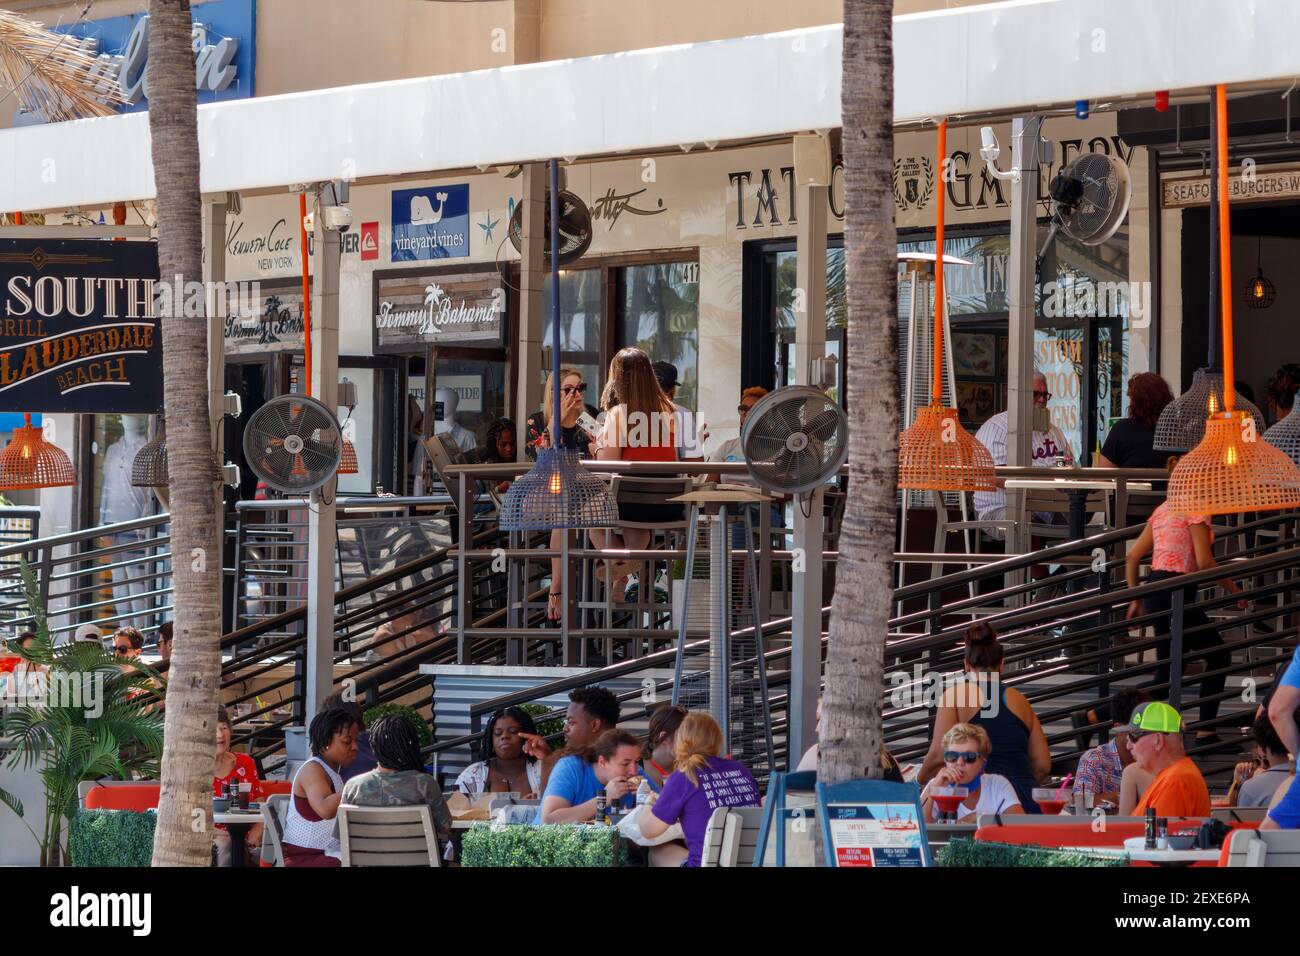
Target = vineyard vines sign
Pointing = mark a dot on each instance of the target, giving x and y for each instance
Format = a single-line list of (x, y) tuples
[(421, 309)]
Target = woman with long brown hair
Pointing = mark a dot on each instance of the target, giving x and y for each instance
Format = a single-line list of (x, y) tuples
[(1129, 443), (640, 425)]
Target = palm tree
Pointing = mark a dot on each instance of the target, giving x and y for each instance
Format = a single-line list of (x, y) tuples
[(194, 685), (851, 711)]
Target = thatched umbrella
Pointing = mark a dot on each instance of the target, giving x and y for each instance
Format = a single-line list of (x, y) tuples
[(50, 73)]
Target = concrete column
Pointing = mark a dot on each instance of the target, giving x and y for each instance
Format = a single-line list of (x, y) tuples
[(810, 345), (322, 531), (1025, 133), (532, 308)]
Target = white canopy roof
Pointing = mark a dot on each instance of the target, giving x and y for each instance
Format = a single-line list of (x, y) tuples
[(960, 62)]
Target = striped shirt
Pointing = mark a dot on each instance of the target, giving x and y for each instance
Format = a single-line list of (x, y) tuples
[(993, 435)]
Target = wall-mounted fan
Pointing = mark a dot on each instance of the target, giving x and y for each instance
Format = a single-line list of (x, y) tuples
[(575, 227), (1090, 198), (293, 443), (795, 439)]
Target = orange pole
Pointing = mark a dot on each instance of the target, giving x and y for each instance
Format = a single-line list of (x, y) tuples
[(306, 293), (937, 390), (18, 219), (1225, 248)]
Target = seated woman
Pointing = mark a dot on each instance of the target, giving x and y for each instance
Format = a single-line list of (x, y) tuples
[(702, 781), (608, 766), (640, 425), (233, 769), (1019, 745), (498, 449), (507, 769), (309, 835), (399, 779), (966, 750), (661, 738)]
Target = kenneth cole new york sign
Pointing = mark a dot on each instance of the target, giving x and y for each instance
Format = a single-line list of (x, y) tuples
[(79, 331)]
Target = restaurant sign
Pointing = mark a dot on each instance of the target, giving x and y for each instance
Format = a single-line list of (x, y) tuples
[(417, 309), (80, 331), (275, 325), (1246, 185)]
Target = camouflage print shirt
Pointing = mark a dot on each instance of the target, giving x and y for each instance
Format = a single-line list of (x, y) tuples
[(402, 788)]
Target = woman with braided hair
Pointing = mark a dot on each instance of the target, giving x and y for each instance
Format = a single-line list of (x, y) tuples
[(400, 779)]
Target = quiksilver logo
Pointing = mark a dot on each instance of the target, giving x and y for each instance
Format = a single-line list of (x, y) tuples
[(77, 909)]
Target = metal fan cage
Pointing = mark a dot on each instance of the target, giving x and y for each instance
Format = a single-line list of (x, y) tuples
[(1285, 434), (795, 439), (1105, 200), (1232, 471), (557, 492), (1181, 425), (294, 444)]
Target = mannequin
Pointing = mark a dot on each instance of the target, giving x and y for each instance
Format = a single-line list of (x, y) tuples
[(449, 400), (119, 501)]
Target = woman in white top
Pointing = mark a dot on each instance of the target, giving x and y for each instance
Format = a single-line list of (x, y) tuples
[(507, 768), (966, 749), (309, 833)]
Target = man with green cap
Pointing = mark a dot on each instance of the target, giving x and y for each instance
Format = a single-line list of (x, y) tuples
[(1155, 738)]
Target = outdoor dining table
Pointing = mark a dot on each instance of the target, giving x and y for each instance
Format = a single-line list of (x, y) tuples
[(1077, 489), (238, 822), (1135, 849)]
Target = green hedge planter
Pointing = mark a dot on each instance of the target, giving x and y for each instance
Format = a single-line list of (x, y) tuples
[(553, 845), (410, 713), (111, 838), (979, 853)]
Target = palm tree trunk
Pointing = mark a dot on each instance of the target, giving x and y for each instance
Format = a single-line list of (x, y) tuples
[(195, 674), (850, 736)]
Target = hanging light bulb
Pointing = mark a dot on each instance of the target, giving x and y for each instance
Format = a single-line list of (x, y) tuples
[(935, 453), (1260, 292), (29, 461), (1231, 470)]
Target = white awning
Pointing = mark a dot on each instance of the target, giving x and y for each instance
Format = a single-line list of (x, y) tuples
[(961, 62)]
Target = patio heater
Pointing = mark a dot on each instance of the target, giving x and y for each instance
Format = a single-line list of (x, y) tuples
[(935, 453), (1181, 425), (1231, 470), (557, 492)]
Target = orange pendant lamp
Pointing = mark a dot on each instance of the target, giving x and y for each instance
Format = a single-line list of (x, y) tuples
[(348, 461), (29, 461), (935, 453), (1233, 469)]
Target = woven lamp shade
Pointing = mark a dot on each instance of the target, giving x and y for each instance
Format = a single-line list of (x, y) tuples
[(348, 463), (937, 454), (1227, 473), (29, 461), (557, 493), (1285, 434), (1182, 424), (149, 470)]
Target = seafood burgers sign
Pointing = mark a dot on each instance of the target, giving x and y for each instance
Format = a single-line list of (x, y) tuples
[(79, 330), (417, 309)]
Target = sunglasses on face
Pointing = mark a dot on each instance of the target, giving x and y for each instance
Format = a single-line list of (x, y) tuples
[(580, 388), (1044, 395), (1135, 735), (965, 756), (122, 649)]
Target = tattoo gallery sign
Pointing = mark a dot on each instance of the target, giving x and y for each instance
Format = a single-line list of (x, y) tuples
[(79, 330)]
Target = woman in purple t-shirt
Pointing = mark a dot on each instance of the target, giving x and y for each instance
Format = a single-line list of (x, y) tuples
[(702, 781)]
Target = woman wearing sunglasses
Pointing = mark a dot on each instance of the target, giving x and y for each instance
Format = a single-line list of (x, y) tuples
[(966, 750)]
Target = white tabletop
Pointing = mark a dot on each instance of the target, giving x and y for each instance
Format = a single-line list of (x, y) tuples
[(1074, 484), (1135, 848), (238, 817)]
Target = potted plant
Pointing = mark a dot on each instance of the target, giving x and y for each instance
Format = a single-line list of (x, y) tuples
[(80, 716)]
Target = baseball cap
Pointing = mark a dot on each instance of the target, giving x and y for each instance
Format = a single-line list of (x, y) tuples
[(1153, 717), (666, 372), (90, 633)]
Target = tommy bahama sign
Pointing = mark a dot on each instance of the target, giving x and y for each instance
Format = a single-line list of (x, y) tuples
[(416, 309), (79, 330)]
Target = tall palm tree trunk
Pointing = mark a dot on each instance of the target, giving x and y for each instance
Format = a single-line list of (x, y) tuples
[(184, 832), (850, 736)]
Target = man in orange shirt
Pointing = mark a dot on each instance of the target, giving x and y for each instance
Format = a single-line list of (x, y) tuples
[(1155, 738)]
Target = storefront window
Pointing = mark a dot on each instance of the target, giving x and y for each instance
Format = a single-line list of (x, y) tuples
[(115, 442), (784, 266), (580, 325), (659, 312)]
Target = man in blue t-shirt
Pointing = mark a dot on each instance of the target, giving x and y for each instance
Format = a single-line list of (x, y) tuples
[(609, 766), (1282, 708)]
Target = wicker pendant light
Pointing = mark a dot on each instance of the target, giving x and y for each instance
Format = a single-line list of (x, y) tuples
[(557, 492), (1181, 425), (29, 461), (1233, 469), (149, 469), (348, 463), (935, 453), (1285, 434)]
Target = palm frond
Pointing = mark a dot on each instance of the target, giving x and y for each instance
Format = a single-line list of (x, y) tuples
[(51, 73), (10, 801)]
